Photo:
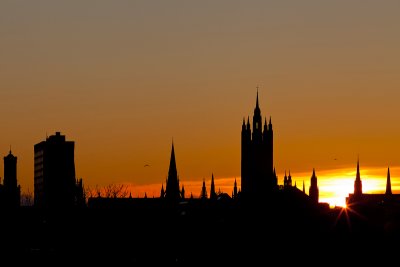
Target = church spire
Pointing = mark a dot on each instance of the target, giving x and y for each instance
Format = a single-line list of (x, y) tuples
[(172, 190), (357, 182), (203, 194), (257, 122), (162, 194), (213, 195), (235, 191), (183, 192), (257, 107), (388, 184), (172, 162), (265, 125), (314, 191), (285, 180)]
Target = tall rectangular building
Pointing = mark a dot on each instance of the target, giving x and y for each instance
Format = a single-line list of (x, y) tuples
[(54, 177)]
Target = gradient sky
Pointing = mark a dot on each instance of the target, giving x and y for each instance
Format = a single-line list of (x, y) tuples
[(124, 78)]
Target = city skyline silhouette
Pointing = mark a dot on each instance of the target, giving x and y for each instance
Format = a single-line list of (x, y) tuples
[(327, 74), (179, 133)]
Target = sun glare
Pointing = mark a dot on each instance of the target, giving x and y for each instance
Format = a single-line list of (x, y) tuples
[(335, 185)]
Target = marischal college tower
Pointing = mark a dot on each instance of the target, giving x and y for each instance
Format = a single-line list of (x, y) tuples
[(257, 169)]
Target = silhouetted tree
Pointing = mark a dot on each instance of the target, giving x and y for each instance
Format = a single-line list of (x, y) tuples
[(108, 191), (27, 198)]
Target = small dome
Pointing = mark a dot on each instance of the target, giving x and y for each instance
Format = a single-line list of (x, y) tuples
[(223, 197)]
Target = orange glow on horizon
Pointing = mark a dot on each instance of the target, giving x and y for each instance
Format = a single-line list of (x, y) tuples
[(334, 185)]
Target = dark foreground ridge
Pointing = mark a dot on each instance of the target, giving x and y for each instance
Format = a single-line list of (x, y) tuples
[(142, 232)]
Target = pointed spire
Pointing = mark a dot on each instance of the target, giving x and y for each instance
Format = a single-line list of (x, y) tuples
[(203, 194), (285, 180), (183, 192), (388, 184), (162, 194), (257, 99), (265, 125), (235, 191), (295, 184), (314, 191), (213, 195), (172, 190), (304, 188), (357, 182), (172, 162), (270, 124)]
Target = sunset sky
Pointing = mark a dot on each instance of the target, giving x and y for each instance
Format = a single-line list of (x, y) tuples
[(124, 78)]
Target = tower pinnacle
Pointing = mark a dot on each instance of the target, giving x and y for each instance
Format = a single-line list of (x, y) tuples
[(357, 182), (388, 184), (257, 99)]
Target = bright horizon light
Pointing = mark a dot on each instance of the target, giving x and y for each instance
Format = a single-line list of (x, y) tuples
[(334, 185)]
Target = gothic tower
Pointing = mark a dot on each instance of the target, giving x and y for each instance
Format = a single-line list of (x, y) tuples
[(172, 188), (12, 190), (257, 174), (314, 192)]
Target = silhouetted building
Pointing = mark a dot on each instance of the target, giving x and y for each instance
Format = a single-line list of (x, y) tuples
[(359, 198), (287, 180), (313, 191), (10, 191), (172, 191), (257, 176), (55, 184), (80, 197)]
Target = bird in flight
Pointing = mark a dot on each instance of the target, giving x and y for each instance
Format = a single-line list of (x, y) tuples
[(146, 165)]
